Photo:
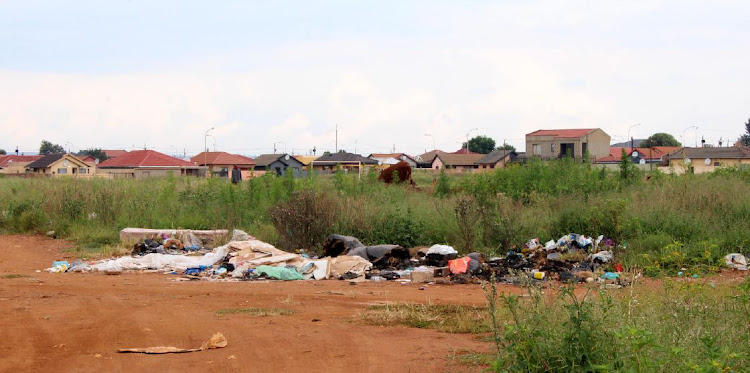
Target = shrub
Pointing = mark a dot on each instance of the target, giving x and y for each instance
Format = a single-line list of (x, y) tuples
[(304, 221)]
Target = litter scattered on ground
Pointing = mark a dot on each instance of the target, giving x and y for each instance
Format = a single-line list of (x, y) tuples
[(572, 258), (736, 261), (216, 341)]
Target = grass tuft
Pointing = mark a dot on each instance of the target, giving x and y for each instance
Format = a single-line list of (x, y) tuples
[(12, 275), (450, 318), (259, 312)]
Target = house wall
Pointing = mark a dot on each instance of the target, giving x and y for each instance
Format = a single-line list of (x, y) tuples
[(245, 170), (15, 168), (295, 167), (597, 143), (72, 169), (437, 164), (699, 167), (137, 173), (408, 160)]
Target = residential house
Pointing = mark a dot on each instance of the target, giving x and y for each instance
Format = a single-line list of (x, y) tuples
[(16, 164), (425, 160), (220, 164), (347, 161), (497, 159), (114, 153), (702, 160), (279, 164), (59, 165), (140, 164), (462, 162), (550, 144), (306, 159), (388, 159), (653, 155)]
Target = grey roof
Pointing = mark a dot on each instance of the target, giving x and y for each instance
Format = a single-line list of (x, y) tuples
[(732, 152), (264, 160), (344, 158), (45, 161), (496, 156)]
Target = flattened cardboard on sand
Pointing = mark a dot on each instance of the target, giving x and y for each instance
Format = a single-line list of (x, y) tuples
[(217, 341)]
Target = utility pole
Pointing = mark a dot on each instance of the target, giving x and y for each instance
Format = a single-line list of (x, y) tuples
[(337, 137)]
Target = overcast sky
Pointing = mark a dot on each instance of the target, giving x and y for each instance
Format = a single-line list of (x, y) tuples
[(128, 74)]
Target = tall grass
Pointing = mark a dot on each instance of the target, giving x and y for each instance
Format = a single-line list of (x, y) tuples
[(682, 326), (666, 221)]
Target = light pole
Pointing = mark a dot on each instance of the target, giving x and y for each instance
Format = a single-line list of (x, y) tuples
[(683, 134), (205, 149), (434, 147), (467, 138), (629, 139)]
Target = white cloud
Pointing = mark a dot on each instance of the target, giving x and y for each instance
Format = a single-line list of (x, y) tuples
[(506, 69)]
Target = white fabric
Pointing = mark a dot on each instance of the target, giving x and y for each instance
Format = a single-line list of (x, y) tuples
[(163, 261), (442, 250)]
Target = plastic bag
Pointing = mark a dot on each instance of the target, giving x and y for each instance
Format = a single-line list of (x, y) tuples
[(459, 266)]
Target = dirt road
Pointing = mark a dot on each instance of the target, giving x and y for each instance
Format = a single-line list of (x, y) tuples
[(76, 322)]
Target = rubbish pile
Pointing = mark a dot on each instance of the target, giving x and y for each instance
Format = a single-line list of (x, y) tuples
[(572, 258)]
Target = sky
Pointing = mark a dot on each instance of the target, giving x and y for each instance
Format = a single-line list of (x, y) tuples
[(404, 75)]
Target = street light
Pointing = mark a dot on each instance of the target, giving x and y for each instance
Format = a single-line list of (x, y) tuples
[(629, 138), (467, 138), (205, 148), (683, 134), (434, 147)]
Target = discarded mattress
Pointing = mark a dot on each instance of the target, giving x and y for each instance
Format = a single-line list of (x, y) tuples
[(163, 261), (383, 256), (133, 235), (337, 244)]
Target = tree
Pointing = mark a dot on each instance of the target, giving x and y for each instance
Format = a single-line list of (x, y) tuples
[(480, 144), (96, 153), (50, 148), (2, 152), (660, 139), (745, 138), (506, 146)]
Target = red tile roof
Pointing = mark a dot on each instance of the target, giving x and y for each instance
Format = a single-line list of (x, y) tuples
[(111, 153), (5, 159), (563, 133), (221, 158), (144, 158), (464, 151), (615, 153)]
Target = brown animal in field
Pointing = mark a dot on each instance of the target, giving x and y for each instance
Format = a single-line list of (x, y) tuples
[(402, 169)]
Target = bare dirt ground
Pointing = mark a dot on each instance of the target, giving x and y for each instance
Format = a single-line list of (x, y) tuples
[(76, 322)]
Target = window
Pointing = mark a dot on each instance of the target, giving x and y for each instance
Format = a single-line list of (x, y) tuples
[(82, 170), (536, 149), (717, 164), (62, 171)]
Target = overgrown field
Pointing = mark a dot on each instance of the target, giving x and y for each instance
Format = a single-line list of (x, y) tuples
[(675, 326), (666, 222)]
